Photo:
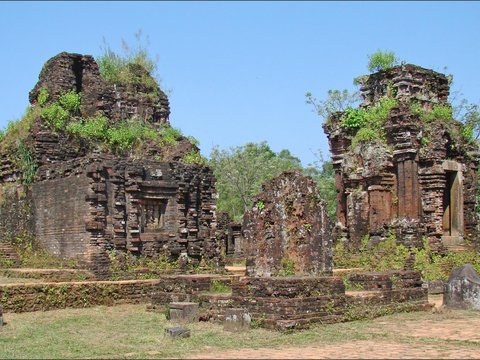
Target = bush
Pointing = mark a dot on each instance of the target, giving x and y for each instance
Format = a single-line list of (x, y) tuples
[(439, 267), (388, 255), (365, 135), (382, 60), (55, 116), (91, 129), (194, 157), (70, 102), (368, 124), (170, 135), (438, 112), (468, 133), (373, 117), (127, 134), (377, 114), (42, 97), (353, 118)]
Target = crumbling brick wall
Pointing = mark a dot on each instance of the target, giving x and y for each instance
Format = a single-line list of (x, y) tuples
[(91, 205), (408, 183), (288, 229)]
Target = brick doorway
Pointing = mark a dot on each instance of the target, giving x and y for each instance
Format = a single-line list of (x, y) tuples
[(452, 205)]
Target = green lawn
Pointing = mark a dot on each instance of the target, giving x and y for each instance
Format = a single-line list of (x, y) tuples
[(129, 331)]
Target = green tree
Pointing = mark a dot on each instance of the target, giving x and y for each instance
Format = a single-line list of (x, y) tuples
[(241, 171)]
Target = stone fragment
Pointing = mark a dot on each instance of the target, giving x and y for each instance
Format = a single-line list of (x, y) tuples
[(462, 290), (236, 320), (184, 312), (177, 332), (1, 316)]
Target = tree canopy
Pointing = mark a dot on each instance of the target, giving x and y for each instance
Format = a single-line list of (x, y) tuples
[(241, 171)]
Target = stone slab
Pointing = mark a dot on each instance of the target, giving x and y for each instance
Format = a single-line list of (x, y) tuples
[(177, 332)]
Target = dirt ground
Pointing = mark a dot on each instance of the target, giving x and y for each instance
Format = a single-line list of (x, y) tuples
[(437, 337)]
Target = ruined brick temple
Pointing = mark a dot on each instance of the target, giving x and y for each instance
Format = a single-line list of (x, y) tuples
[(85, 201), (420, 180)]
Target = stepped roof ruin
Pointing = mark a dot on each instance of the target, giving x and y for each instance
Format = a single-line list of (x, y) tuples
[(415, 174)]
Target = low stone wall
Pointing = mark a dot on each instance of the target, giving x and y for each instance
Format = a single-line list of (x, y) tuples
[(385, 293), (291, 302), (386, 280), (296, 302), (49, 275), (59, 295)]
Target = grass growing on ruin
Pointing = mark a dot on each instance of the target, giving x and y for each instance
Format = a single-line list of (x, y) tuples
[(128, 331)]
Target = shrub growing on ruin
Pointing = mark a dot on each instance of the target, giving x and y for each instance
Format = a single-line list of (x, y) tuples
[(382, 60), (194, 157), (127, 134), (70, 101), (90, 129), (55, 116), (126, 68), (438, 112), (26, 163), (365, 135), (42, 97), (170, 135)]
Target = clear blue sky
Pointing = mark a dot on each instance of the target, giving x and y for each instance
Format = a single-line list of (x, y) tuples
[(238, 71)]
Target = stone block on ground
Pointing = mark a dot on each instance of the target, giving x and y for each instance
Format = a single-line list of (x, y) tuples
[(462, 290), (177, 332), (184, 312), (236, 320)]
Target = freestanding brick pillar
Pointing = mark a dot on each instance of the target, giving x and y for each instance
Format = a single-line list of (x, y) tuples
[(184, 312), (288, 231)]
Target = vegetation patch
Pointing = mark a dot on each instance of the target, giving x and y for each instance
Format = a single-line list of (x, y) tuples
[(194, 157), (439, 267), (388, 255), (368, 124), (220, 287), (133, 67), (123, 265), (438, 112), (288, 267)]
